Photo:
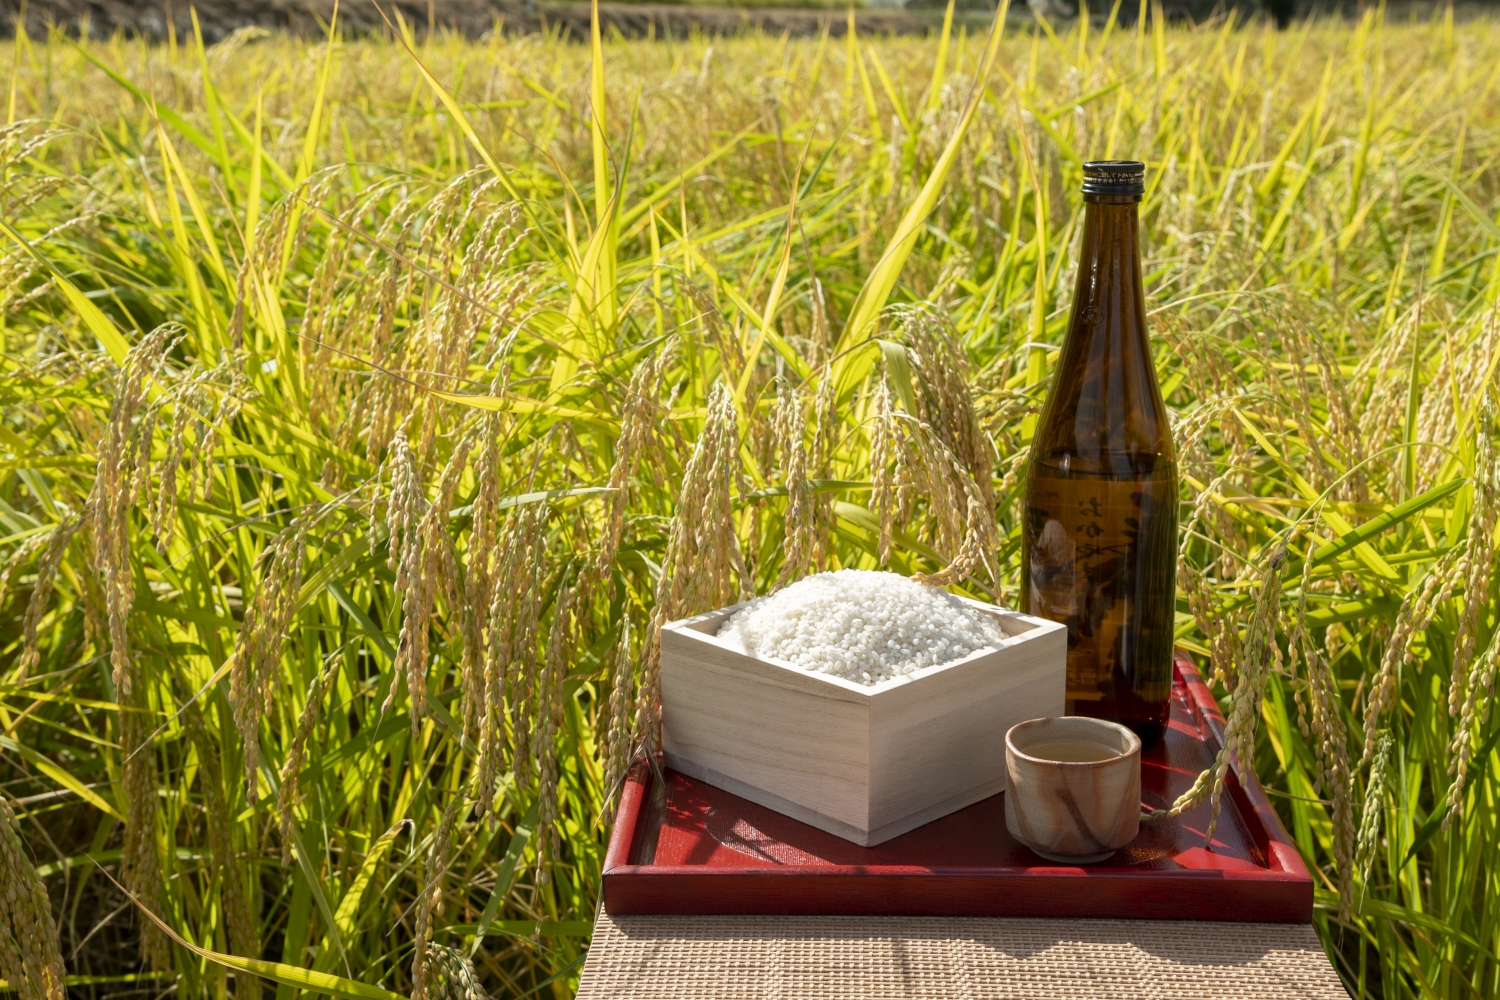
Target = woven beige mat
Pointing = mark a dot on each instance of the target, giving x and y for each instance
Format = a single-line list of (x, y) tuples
[(952, 958)]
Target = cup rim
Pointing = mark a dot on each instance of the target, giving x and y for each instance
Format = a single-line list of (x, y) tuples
[(1132, 741)]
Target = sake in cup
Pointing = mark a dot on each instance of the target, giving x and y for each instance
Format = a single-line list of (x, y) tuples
[(1075, 787)]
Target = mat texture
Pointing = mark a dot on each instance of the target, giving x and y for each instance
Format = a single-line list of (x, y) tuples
[(952, 958)]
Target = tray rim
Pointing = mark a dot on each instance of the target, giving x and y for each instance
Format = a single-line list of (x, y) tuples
[(1284, 864)]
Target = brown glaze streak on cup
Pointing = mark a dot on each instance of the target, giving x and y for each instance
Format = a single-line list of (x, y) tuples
[(1073, 812)]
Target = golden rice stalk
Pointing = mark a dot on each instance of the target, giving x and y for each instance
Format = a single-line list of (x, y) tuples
[(638, 417), (1463, 367), (522, 662), (1419, 607), (256, 661), (122, 475), (190, 396), (560, 642), (116, 486), (41, 591), (1470, 692), (1014, 465), (382, 404), (510, 652), (479, 573), (944, 400), (1320, 717), (619, 740), (451, 975), (703, 556), (20, 556), (30, 959), (202, 479), (883, 458), (826, 429), (1221, 630), (1261, 655), (1480, 552), (1374, 804), (287, 795), (404, 508), (939, 480), (424, 563), (1382, 380), (430, 902), (791, 432), (953, 488), (1476, 712)]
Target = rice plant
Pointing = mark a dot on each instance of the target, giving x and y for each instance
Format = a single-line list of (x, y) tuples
[(369, 405)]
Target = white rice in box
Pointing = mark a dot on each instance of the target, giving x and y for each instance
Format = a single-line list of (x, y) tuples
[(861, 625)]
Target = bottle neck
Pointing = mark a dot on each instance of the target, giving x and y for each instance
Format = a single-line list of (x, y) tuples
[(1109, 305), (1111, 240), (1105, 413)]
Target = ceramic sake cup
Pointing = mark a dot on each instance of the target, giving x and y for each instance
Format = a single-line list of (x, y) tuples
[(1073, 812)]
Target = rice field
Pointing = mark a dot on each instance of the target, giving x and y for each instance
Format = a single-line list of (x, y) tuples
[(369, 404)]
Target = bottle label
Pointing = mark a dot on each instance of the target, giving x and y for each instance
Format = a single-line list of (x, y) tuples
[(1101, 556)]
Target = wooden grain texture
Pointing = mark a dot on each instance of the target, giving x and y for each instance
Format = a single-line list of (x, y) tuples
[(689, 847), (864, 762)]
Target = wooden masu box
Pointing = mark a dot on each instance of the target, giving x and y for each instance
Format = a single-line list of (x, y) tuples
[(863, 762)]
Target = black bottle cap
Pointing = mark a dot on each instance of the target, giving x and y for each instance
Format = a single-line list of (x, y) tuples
[(1127, 177)]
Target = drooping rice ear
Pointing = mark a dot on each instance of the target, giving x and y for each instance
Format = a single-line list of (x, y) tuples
[(702, 567), (451, 974), (288, 795), (116, 481), (1262, 656), (1372, 808), (479, 575), (21, 556), (255, 662), (509, 594), (1320, 715), (428, 566), (825, 440), (639, 414), (549, 714), (1421, 604), (1219, 628), (945, 401), (1471, 685), (432, 876), (976, 537), (791, 436), (883, 460), (619, 740), (511, 665), (56, 547), (30, 956), (121, 474)]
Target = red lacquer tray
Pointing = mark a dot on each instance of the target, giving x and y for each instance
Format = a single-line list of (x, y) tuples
[(697, 849)]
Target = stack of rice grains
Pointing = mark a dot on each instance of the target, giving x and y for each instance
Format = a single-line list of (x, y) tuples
[(862, 626)]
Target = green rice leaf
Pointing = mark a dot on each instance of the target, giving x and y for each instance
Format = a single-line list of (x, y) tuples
[(882, 280), (60, 775), (278, 972)]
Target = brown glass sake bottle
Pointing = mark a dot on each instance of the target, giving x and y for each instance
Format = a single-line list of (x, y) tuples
[(1099, 550)]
